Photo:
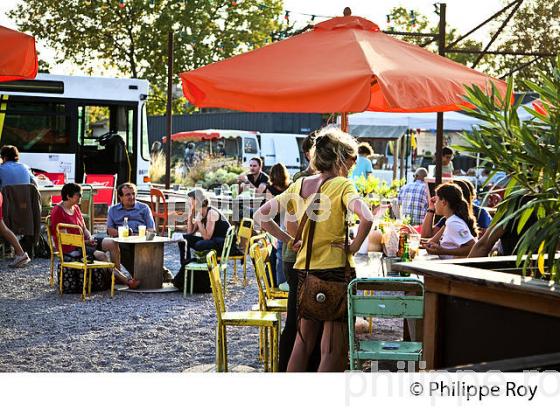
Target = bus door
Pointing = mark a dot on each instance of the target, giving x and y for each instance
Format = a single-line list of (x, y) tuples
[(107, 140)]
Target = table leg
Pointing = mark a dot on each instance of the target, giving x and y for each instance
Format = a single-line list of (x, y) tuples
[(146, 261)]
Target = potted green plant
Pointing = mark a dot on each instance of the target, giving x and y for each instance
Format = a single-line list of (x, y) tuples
[(495, 308), (528, 152), (374, 191)]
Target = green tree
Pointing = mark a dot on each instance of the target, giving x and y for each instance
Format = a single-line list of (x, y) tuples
[(535, 27), (133, 39), (402, 19)]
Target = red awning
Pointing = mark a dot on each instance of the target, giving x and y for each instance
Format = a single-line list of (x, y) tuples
[(192, 136)]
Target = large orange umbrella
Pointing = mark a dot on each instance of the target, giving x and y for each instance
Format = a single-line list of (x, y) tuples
[(345, 64), (18, 58)]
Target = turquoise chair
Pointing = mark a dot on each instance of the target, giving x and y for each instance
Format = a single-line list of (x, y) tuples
[(374, 304), (203, 266)]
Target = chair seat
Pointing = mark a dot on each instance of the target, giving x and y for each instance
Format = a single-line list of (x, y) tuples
[(196, 266), (250, 318), (273, 306), (278, 294), (91, 265), (384, 350)]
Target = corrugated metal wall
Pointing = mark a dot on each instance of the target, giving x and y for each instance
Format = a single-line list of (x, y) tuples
[(263, 122)]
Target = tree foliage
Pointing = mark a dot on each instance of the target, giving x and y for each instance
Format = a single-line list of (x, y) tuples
[(535, 27), (133, 39), (401, 19)]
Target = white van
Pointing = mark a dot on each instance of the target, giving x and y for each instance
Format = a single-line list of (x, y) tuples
[(283, 148), (244, 145)]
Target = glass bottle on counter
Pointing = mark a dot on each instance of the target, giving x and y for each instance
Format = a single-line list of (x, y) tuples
[(125, 228)]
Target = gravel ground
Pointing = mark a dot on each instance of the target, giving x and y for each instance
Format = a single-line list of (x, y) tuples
[(134, 332)]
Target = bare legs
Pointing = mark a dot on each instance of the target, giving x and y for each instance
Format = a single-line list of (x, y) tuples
[(334, 348), (109, 245), (11, 238), (305, 342)]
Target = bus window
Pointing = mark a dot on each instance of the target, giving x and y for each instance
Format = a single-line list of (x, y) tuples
[(130, 130), (145, 141), (94, 121), (35, 126)]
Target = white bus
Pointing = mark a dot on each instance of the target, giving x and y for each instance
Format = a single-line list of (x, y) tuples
[(78, 125)]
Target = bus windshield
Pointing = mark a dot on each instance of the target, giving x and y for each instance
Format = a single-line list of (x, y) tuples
[(35, 126)]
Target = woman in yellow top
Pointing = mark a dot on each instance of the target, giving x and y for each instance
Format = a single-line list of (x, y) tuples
[(333, 154)]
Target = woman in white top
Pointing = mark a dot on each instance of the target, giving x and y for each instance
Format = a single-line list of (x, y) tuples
[(460, 231)]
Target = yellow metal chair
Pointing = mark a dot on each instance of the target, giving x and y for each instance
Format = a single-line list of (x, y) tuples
[(273, 292), (77, 240), (244, 234), (54, 253), (259, 251), (268, 322), (266, 301)]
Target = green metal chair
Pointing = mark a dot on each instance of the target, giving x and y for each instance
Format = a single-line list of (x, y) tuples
[(374, 304), (203, 266)]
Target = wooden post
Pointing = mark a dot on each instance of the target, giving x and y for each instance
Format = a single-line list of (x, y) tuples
[(431, 329), (396, 150), (169, 112), (439, 129), (344, 121), (402, 156)]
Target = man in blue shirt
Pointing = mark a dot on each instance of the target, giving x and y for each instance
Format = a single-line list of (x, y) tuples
[(136, 212), (363, 164), (13, 172), (413, 198)]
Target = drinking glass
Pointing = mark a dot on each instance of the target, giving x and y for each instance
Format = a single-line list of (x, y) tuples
[(413, 244), (141, 231), (122, 230)]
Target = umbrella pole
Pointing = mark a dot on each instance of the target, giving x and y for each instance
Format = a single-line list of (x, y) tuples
[(344, 121), (169, 112), (439, 147), (439, 118)]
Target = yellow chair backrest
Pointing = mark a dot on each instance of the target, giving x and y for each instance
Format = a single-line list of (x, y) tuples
[(49, 236), (265, 248), (215, 282), (245, 230), (71, 239), (257, 256)]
